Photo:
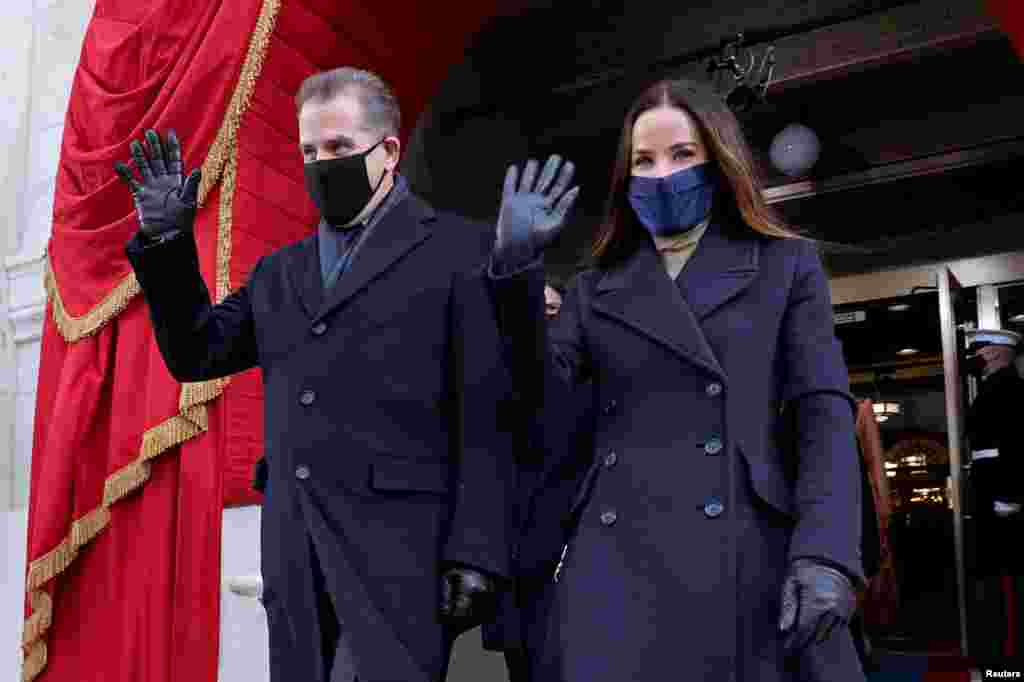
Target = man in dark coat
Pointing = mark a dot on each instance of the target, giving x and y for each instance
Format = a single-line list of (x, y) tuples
[(384, 522), (997, 475)]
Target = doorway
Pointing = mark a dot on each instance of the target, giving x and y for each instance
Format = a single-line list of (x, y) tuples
[(894, 351)]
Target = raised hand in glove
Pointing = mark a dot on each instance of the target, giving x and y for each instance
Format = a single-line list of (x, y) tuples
[(468, 597), (165, 201), (533, 211), (816, 599)]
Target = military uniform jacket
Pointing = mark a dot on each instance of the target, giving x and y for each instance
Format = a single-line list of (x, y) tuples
[(380, 404), (993, 428), (697, 506)]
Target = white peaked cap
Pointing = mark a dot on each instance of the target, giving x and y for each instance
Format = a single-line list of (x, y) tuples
[(990, 337)]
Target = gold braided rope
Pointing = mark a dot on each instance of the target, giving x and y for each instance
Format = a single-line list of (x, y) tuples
[(192, 419), (224, 148), (227, 203)]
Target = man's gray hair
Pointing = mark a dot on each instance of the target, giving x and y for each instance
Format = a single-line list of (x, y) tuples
[(380, 106)]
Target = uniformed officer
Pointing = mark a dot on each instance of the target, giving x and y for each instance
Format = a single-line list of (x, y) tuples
[(997, 483)]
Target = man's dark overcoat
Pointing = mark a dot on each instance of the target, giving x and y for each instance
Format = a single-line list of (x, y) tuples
[(697, 507), (382, 444)]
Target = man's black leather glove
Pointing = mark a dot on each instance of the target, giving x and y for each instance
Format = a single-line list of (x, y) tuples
[(468, 597), (816, 599), (533, 211), (165, 201)]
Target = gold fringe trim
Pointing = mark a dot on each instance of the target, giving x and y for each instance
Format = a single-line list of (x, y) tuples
[(41, 612), (193, 418), (227, 205), (35, 661), (224, 146), (200, 392), (191, 422), (76, 328), (85, 529), (155, 442), (221, 159)]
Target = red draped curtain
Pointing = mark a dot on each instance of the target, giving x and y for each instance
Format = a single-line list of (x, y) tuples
[(1010, 14), (130, 469)]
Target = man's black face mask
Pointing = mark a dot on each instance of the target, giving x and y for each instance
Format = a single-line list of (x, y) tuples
[(340, 187)]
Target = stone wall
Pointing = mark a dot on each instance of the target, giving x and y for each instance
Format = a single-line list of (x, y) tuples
[(40, 42)]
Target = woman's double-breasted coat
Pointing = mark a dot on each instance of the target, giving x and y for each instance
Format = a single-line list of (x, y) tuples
[(698, 504)]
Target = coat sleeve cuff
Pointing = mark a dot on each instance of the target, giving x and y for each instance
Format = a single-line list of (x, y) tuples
[(497, 271), (857, 579), (851, 566), (482, 559), (141, 241)]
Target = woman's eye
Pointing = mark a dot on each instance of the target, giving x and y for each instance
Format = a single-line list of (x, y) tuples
[(641, 161), (683, 154)]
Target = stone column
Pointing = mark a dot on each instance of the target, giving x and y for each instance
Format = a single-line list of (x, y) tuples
[(40, 41)]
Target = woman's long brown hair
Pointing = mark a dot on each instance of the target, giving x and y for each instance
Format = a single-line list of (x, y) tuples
[(620, 232)]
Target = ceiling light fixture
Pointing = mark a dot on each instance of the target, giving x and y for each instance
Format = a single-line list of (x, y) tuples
[(899, 307), (907, 351), (746, 74), (795, 150), (884, 410)]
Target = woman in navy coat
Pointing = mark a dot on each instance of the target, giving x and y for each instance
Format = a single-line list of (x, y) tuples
[(708, 546)]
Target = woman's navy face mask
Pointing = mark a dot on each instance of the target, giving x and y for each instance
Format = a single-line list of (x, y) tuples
[(674, 203)]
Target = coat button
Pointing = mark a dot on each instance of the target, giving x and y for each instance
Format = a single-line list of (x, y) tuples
[(713, 389), (609, 517), (713, 446), (307, 397), (319, 328), (610, 459), (302, 473), (610, 406), (713, 508)]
